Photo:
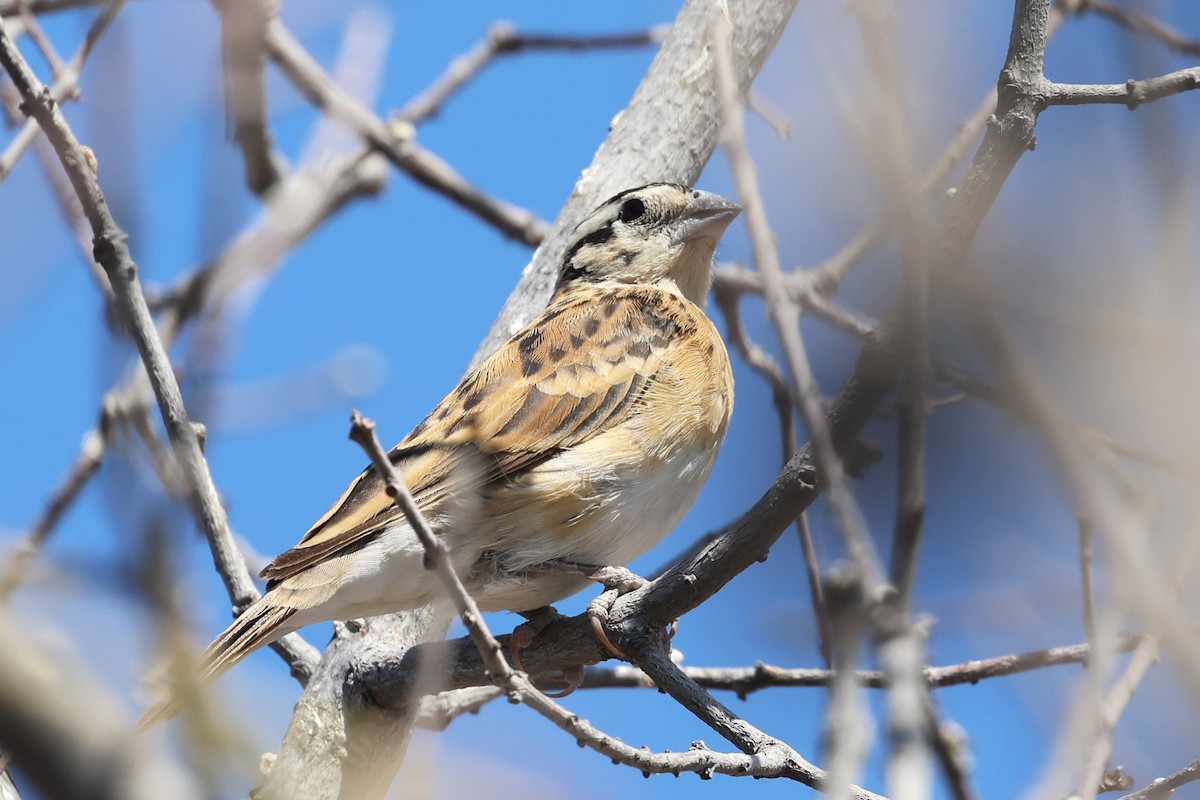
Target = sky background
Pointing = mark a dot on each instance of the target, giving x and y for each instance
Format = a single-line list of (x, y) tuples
[(383, 307)]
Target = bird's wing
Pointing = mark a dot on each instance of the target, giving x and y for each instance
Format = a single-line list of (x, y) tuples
[(577, 370)]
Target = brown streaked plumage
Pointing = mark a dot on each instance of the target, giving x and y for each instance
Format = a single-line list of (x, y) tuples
[(584, 438)]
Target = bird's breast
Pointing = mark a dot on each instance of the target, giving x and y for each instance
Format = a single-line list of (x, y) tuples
[(608, 500)]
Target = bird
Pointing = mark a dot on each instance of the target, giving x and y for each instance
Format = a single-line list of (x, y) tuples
[(582, 440)]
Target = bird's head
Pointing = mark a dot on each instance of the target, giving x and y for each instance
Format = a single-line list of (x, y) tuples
[(661, 234)]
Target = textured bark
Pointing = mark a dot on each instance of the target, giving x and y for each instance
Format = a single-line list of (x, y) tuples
[(339, 743)]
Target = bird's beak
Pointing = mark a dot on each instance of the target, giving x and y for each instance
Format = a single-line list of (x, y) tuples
[(706, 215)]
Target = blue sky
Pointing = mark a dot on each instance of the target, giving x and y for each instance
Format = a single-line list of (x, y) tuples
[(382, 308)]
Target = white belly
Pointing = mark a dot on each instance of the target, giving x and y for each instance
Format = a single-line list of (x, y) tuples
[(628, 513), (606, 519)]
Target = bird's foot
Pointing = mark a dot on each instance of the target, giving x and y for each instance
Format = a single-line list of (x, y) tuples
[(523, 636)]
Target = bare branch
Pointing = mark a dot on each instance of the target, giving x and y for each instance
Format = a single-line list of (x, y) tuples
[(243, 29), (40, 40), (1162, 788), (1085, 575), (91, 454), (1136, 22), (744, 681), (503, 39), (784, 314), (12, 8), (65, 731), (395, 141), (64, 86), (1130, 94)]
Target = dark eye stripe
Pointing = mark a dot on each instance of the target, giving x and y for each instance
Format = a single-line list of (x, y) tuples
[(599, 236)]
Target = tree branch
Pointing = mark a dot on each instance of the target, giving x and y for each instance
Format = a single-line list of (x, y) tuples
[(1130, 94), (503, 39), (395, 141), (1162, 788), (243, 30)]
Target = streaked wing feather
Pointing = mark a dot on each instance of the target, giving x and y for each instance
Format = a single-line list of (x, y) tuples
[(578, 369)]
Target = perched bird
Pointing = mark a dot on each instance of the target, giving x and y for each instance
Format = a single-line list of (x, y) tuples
[(584, 439)]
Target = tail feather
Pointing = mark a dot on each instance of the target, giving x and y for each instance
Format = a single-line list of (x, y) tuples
[(261, 623), (258, 625)]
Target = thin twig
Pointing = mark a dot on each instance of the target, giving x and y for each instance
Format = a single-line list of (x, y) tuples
[(64, 86), (91, 454), (776, 120), (1130, 94), (784, 314), (362, 431), (1162, 788), (43, 43), (1137, 22), (760, 361), (1144, 657), (503, 39), (816, 590), (395, 141), (949, 744), (1085, 575)]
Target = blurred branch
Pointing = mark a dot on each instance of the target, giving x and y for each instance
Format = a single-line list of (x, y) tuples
[(303, 202), (8, 790), (395, 141), (1163, 788), (810, 286), (243, 29), (784, 314), (776, 120), (504, 39), (40, 40), (68, 204), (65, 86), (1085, 577), (112, 253), (848, 726), (734, 279), (1130, 94), (1144, 657), (91, 454), (728, 302), (65, 731), (1136, 22), (13, 8)]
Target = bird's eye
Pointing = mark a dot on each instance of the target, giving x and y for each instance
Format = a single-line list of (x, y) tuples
[(631, 210)]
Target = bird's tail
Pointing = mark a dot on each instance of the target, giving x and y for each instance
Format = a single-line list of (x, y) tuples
[(261, 623)]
